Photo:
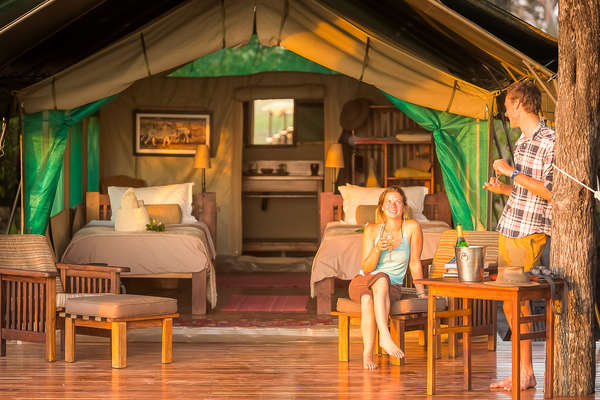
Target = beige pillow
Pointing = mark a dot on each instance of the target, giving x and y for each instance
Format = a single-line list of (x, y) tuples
[(129, 200), (129, 217), (165, 213), (421, 164)]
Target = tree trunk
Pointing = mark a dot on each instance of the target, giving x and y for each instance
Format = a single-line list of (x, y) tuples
[(574, 237)]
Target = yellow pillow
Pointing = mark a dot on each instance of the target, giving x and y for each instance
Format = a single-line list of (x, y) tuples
[(411, 173), (165, 213)]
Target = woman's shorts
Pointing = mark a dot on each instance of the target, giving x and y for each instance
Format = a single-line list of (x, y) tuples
[(361, 285)]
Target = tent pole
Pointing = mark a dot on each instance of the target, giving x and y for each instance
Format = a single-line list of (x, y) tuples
[(13, 209), (541, 83)]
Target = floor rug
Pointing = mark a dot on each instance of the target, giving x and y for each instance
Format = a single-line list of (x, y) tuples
[(266, 303), (263, 281), (252, 322)]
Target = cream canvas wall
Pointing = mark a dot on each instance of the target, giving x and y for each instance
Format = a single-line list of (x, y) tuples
[(223, 98)]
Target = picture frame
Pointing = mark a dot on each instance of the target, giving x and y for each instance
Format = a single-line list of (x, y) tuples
[(169, 133)]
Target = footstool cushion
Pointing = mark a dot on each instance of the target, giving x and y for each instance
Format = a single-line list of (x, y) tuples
[(120, 306), (408, 305)]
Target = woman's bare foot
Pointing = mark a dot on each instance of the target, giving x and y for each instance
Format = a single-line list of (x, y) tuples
[(368, 360), (527, 381), (390, 347)]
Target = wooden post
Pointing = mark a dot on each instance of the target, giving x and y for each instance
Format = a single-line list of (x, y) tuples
[(467, 321), (431, 343), (343, 337), (199, 293), (50, 300), (167, 341), (516, 348), (69, 340), (324, 289), (119, 344), (92, 206)]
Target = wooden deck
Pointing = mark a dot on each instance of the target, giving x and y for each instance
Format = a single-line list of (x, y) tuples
[(249, 366)]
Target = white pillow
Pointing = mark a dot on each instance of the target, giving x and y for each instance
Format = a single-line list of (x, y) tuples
[(415, 197), (354, 196), (170, 194)]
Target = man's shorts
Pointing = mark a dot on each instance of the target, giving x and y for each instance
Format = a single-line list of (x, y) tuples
[(525, 251)]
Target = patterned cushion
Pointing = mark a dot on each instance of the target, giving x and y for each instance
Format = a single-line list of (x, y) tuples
[(28, 252), (406, 305)]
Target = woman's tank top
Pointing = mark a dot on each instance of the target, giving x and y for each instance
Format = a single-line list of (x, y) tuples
[(397, 265)]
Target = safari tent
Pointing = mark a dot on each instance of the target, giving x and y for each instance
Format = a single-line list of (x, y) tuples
[(443, 63)]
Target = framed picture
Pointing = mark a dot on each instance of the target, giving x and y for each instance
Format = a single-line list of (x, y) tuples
[(170, 133)]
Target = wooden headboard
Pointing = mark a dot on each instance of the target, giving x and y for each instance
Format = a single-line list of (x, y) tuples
[(120, 180), (204, 208), (436, 208)]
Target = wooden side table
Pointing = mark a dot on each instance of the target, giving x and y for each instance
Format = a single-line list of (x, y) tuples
[(451, 287)]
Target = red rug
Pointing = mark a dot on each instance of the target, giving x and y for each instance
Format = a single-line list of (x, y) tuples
[(266, 303), (262, 281)]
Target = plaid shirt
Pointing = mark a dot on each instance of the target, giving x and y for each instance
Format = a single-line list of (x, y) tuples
[(526, 213)]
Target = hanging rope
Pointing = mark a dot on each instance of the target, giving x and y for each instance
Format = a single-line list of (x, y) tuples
[(145, 54)]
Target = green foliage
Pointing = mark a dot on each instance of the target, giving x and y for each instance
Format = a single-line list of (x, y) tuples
[(9, 164), (155, 225)]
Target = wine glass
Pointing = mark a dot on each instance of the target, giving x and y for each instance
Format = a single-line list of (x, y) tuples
[(390, 239)]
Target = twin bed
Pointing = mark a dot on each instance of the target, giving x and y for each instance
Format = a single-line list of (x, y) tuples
[(183, 250), (338, 255)]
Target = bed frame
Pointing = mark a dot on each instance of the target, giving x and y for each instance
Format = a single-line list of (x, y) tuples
[(204, 208), (436, 208)]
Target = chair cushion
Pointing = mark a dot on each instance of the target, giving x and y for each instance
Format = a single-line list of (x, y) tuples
[(408, 305), (121, 306), (61, 298)]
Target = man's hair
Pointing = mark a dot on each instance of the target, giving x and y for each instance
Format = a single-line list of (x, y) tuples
[(528, 94)]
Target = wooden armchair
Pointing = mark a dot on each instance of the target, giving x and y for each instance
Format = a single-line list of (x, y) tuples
[(484, 311), (31, 295)]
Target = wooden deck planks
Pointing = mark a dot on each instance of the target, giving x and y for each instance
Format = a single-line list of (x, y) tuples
[(277, 368)]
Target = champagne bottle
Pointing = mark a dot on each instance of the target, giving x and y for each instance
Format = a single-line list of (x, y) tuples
[(460, 240)]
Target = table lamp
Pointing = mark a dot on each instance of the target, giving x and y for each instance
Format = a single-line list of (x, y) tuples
[(202, 160), (335, 160)]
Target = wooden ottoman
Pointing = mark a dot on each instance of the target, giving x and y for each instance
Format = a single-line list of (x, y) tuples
[(117, 313), (407, 314)]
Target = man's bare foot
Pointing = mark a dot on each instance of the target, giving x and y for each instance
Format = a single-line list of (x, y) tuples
[(368, 361), (527, 381), (390, 347)]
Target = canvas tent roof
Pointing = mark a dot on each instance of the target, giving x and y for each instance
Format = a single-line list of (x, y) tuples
[(425, 52)]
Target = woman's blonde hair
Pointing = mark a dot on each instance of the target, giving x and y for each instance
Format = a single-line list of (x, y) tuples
[(391, 189)]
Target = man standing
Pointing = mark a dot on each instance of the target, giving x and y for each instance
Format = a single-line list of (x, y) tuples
[(524, 226)]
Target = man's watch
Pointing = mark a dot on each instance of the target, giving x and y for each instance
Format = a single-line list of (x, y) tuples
[(515, 173)]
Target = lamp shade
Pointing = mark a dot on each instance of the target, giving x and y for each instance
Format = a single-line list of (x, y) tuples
[(202, 159), (335, 157)]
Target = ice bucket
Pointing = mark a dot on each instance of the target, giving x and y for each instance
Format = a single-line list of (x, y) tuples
[(469, 263)]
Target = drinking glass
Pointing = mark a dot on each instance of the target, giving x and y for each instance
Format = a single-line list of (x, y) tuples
[(390, 238)]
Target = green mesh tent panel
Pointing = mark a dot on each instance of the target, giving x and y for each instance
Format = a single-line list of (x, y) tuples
[(250, 59), (93, 148), (58, 204), (44, 142), (76, 165), (461, 145)]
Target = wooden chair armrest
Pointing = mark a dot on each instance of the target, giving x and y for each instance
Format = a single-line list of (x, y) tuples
[(426, 264), (96, 268), (27, 273)]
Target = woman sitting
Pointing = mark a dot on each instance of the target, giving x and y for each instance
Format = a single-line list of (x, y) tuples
[(388, 249)]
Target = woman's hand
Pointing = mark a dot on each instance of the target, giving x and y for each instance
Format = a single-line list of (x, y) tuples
[(384, 244)]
